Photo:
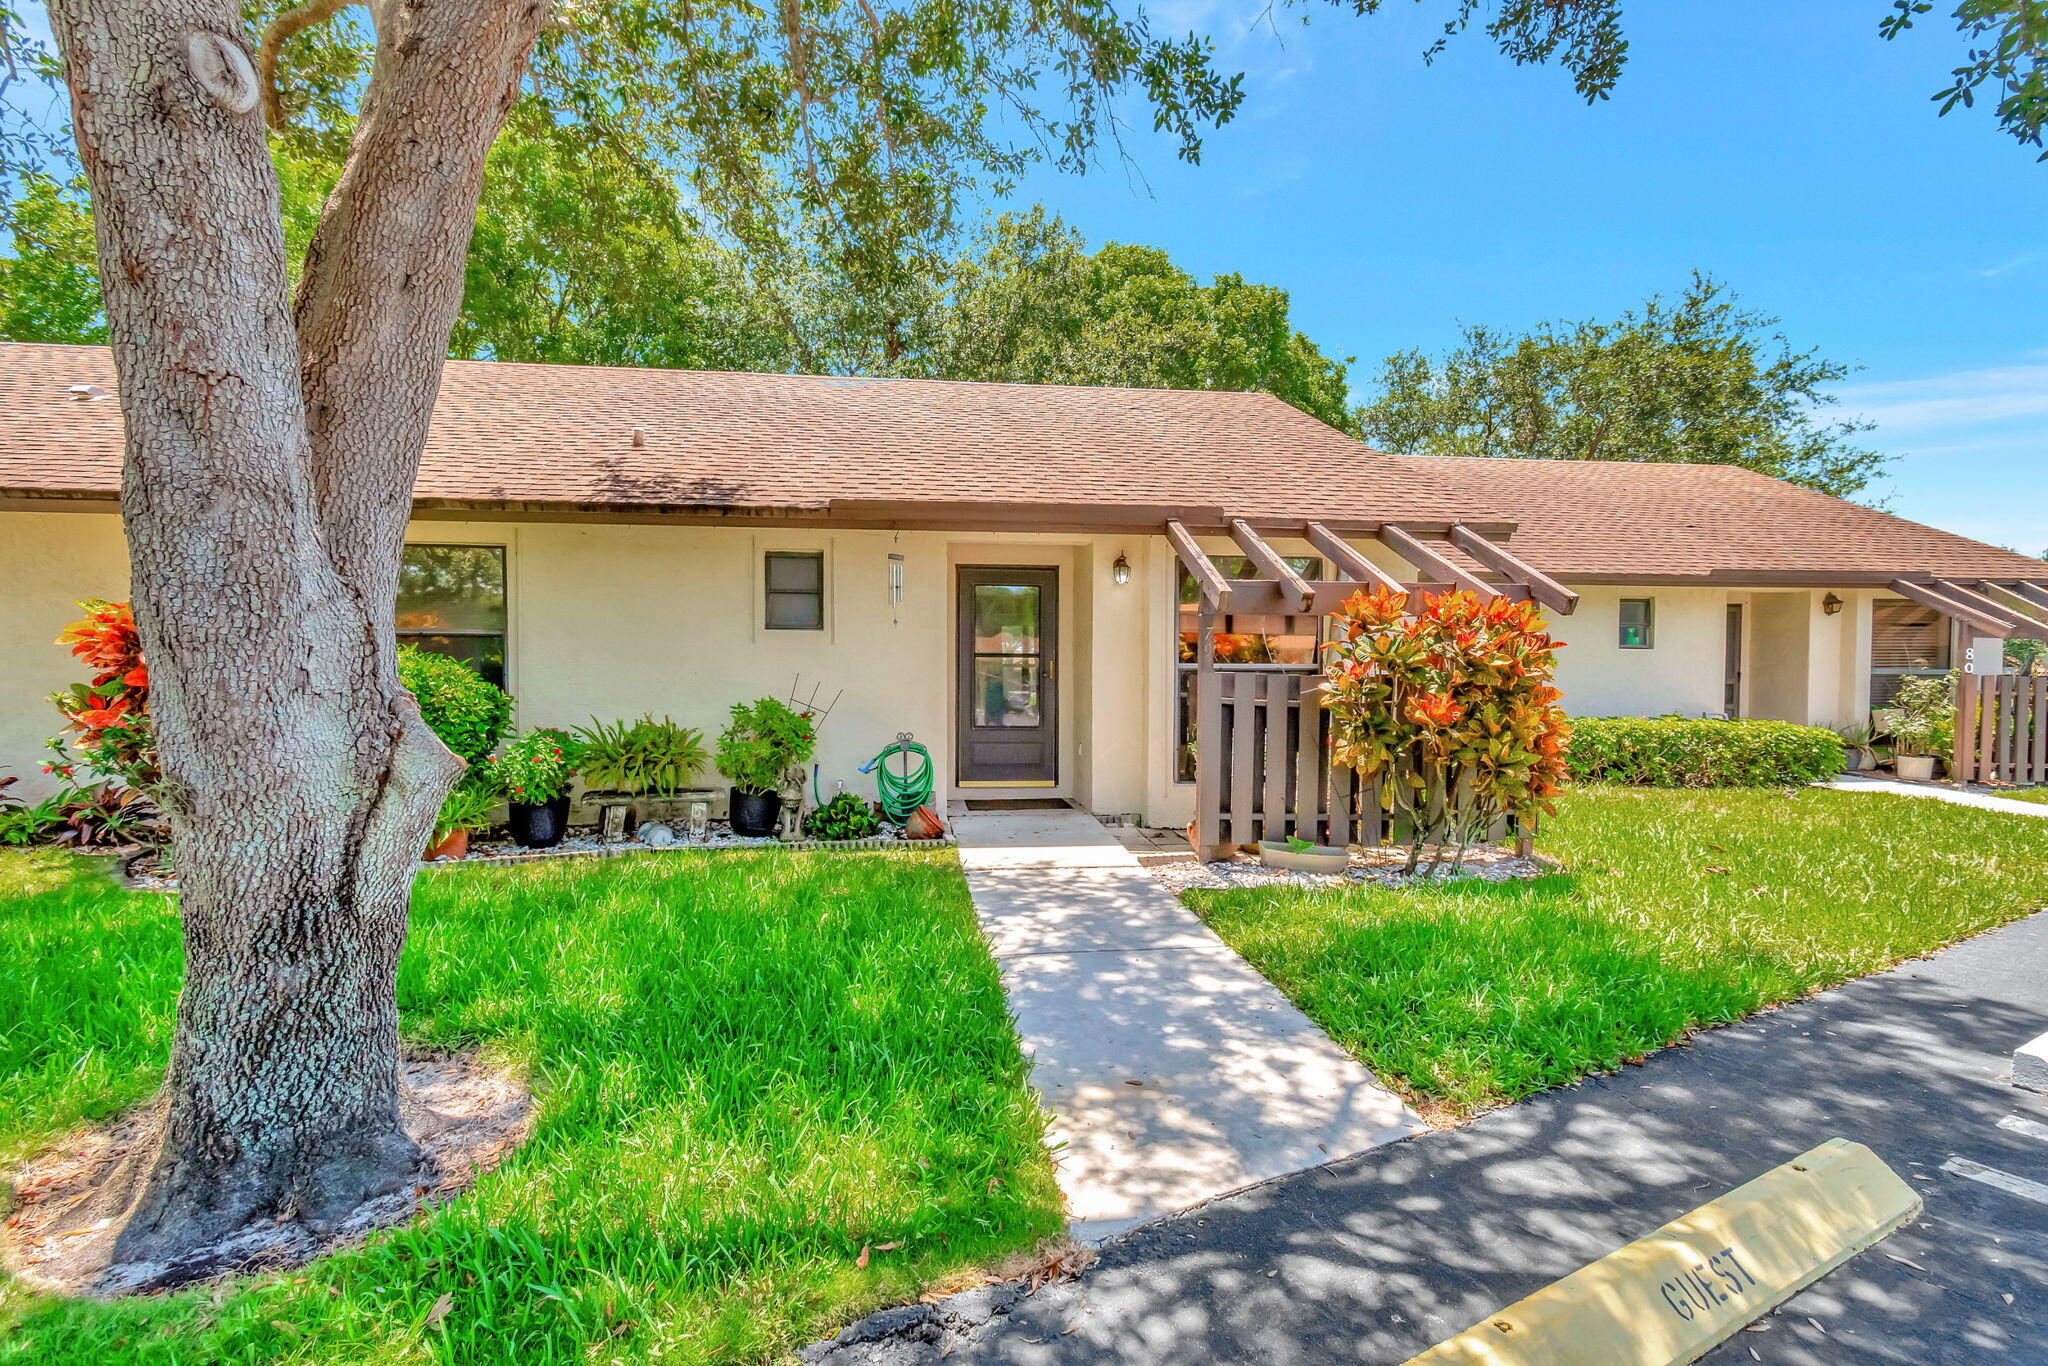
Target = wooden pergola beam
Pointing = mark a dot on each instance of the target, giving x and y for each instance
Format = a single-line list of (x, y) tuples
[(1931, 595), (2017, 622), (1430, 563), (2035, 593), (2031, 616), (1544, 589), (2028, 599), (1346, 560), (1270, 564), (1215, 588)]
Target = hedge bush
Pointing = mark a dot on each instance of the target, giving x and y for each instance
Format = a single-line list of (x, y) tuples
[(469, 714), (1678, 751)]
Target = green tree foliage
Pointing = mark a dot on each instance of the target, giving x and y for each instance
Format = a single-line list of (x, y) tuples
[(50, 284), (1697, 378), (1031, 303)]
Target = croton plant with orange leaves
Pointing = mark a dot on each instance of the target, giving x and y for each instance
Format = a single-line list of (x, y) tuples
[(1450, 707), (107, 719)]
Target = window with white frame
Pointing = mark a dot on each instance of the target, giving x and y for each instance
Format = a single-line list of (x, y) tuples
[(796, 590), (1638, 623)]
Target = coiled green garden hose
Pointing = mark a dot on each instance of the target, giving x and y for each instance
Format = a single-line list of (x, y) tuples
[(903, 793)]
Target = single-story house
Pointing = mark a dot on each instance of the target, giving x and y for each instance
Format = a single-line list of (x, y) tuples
[(1014, 572)]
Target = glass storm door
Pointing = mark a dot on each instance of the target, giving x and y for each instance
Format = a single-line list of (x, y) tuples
[(1004, 711)]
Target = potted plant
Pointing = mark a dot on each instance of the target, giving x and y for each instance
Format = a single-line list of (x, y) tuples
[(765, 740), (1859, 750), (657, 759), (534, 773), (1297, 855), (1924, 725), (469, 808)]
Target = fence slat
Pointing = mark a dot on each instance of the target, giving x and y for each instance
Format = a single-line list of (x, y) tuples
[(1274, 753), (1243, 760), (1987, 728), (1308, 761), (2040, 730), (1963, 762), (1342, 780)]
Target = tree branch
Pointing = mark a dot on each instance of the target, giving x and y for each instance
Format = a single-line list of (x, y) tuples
[(285, 27)]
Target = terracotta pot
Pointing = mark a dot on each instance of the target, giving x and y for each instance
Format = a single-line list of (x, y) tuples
[(454, 845), (539, 826), (924, 824), (1317, 858)]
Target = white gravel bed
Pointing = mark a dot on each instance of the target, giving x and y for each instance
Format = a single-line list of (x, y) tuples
[(587, 844), (1381, 866)]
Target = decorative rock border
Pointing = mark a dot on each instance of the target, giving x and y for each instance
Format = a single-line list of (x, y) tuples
[(889, 842)]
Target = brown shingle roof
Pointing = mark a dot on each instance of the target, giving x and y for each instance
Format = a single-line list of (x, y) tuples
[(1641, 522), (563, 436)]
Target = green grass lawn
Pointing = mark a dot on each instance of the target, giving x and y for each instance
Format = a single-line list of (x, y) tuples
[(1681, 909), (748, 1066), (2028, 794)]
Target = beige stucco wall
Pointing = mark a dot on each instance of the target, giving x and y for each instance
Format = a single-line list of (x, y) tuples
[(48, 560), (614, 620)]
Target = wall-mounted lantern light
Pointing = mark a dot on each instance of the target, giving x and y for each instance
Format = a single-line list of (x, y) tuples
[(1121, 570), (1831, 604)]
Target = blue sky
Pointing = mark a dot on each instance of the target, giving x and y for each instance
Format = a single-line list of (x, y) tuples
[(1783, 147)]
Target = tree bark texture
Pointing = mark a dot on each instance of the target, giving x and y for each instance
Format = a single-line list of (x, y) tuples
[(269, 467)]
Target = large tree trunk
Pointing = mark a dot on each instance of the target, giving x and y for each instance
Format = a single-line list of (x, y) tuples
[(268, 482)]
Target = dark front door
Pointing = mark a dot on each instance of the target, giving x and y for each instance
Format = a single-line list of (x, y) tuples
[(1731, 669), (1006, 633)]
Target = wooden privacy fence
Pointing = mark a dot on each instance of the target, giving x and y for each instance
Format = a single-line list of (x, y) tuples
[(1272, 779), (2001, 728)]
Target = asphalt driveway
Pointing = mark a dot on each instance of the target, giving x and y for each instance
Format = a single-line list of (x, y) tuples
[(1374, 1258)]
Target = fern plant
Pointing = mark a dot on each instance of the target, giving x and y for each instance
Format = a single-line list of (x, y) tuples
[(658, 758)]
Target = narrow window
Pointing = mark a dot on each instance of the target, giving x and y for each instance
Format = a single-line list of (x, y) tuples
[(451, 601), (796, 590), (1638, 623)]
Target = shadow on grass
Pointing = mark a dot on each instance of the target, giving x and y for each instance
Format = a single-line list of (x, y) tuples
[(747, 1069)]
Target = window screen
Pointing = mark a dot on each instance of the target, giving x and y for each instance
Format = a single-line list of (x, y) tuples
[(796, 590), (451, 601), (1906, 641), (1638, 623)]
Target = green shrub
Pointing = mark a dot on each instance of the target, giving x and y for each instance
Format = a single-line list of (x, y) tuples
[(765, 741), (468, 713), (845, 817), (1677, 751)]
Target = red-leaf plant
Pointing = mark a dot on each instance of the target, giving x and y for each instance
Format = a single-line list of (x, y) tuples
[(1451, 708), (107, 719)]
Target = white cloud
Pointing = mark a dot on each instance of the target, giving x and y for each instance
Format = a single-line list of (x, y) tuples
[(2020, 262), (1938, 405)]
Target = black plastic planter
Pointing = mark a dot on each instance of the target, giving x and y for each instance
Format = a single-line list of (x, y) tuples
[(755, 813), (540, 827)]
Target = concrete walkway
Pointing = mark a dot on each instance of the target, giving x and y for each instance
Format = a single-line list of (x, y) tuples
[(1174, 1071), (1849, 782)]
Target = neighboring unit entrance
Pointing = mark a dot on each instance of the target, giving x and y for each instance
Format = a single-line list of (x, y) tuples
[(1004, 707), (1731, 670)]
